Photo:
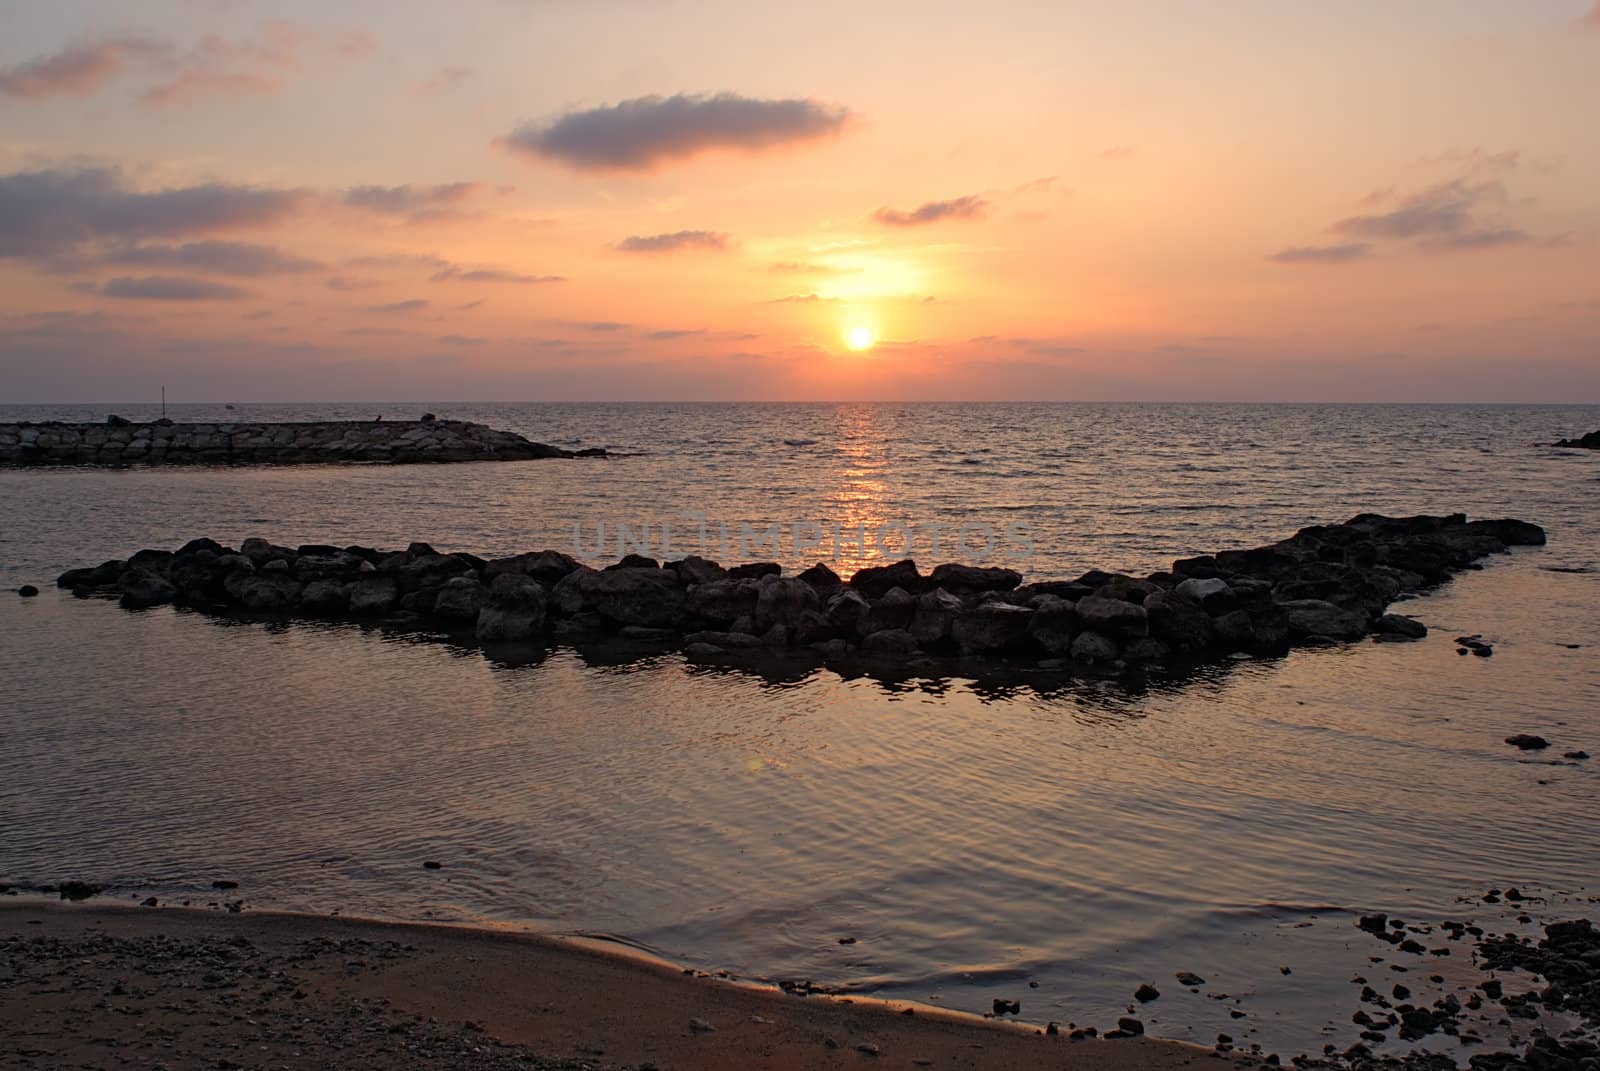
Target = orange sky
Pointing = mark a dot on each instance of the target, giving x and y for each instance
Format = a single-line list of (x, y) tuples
[(620, 199)]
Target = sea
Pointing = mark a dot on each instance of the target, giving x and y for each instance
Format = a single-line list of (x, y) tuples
[(921, 837)]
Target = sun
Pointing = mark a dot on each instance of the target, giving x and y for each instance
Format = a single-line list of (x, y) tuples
[(859, 338)]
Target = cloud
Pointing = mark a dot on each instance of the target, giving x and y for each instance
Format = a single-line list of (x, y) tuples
[(801, 267), (169, 288), (399, 200), (491, 275), (213, 258), (1322, 254), (1443, 209), (253, 66), (932, 212), (670, 335), (639, 134), (670, 243), (411, 305), (1120, 152), (47, 213), (75, 71), (1479, 239), (346, 283), (461, 340), (447, 79)]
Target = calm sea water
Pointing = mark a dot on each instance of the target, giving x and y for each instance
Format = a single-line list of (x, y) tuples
[(972, 838)]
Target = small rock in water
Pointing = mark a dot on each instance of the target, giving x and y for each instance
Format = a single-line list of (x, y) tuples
[(432, 864), (27, 591), (224, 883), (1190, 978), (149, 901), (1146, 993), (1580, 755), (847, 940), (1007, 1007), (1527, 742), (1128, 1026), (77, 890)]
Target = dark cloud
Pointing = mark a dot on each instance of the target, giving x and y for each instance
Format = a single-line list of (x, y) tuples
[(638, 134), (1443, 209), (462, 340), (932, 212), (411, 305), (669, 243), (76, 71), (345, 282), (1480, 239), (50, 213), (170, 288), (492, 275), (670, 335), (1322, 254), (399, 200), (214, 258)]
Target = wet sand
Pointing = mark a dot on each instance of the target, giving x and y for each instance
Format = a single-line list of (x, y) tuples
[(110, 986)]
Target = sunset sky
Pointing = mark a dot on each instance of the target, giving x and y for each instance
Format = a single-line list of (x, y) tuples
[(642, 199)]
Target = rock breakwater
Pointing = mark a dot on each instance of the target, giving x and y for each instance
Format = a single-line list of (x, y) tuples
[(1590, 441), (1325, 584), (120, 443)]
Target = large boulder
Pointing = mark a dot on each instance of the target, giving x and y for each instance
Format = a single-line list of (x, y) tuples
[(890, 642), (545, 566), (515, 609), (650, 597), (697, 570), (971, 578), (990, 626), (1054, 624), (373, 595), (461, 597), (847, 611), (1112, 617), (330, 597), (893, 610), (1214, 595), (877, 580), (1179, 622), (268, 592), (1095, 648), (935, 611), (822, 578), (723, 601), (1317, 618), (783, 601), (141, 588)]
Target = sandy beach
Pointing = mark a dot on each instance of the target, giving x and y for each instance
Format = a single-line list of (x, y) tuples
[(110, 986)]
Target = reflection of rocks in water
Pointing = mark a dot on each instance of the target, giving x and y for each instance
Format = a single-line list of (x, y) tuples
[(1324, 585)]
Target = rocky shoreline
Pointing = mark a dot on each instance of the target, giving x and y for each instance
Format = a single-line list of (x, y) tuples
[(1325, 584), (120, 443)]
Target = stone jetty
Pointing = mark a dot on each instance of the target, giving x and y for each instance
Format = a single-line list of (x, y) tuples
[(120, 443), (1324, 584), (1590, 441)]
